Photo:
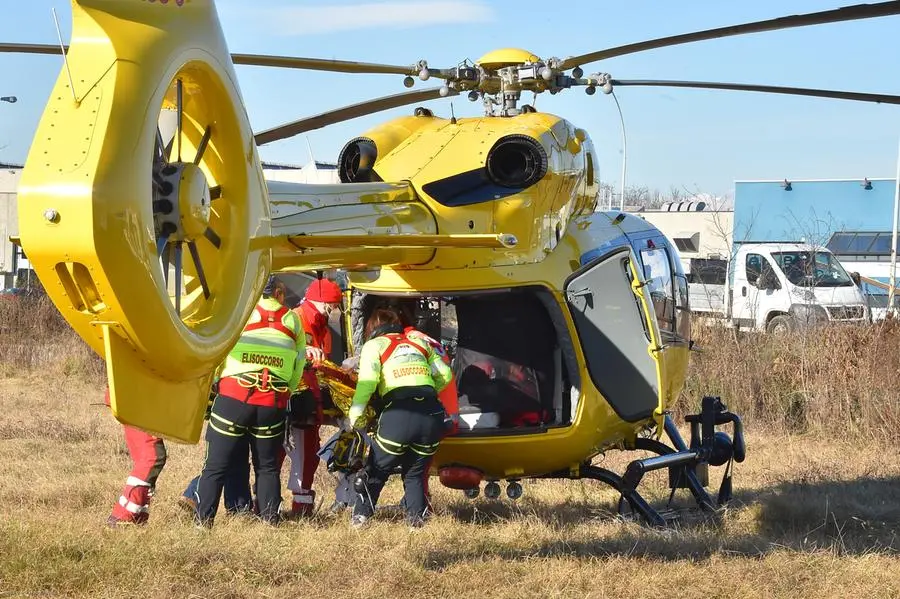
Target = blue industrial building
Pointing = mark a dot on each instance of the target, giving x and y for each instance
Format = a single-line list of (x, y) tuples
[(851, 217)]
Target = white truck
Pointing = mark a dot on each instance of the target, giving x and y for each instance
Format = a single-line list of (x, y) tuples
[(776, 288)]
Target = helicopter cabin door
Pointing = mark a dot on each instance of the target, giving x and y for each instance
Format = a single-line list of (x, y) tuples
[(617, 331)]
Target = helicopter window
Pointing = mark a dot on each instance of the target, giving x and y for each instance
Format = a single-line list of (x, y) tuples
[(589, 167), (659, 276), (683, 308)]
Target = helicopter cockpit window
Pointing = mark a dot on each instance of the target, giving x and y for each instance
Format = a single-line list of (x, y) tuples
[(659, 275), (682, 308)]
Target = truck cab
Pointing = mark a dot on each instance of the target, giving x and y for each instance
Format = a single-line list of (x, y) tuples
[(780, 287)]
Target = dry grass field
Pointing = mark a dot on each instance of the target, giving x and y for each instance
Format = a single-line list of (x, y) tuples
[(816, 514)]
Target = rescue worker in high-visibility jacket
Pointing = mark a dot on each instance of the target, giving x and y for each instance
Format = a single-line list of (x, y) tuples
[(257, 379), (321, 300), (148, 454), (408, 375), (449, 398)]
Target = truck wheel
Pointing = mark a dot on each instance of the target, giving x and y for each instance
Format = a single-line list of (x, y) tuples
[(780, 325)]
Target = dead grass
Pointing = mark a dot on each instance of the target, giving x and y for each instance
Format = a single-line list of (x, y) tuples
[(834, 380), (815, 514)]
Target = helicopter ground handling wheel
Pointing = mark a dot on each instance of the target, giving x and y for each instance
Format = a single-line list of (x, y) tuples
[(155, 250)]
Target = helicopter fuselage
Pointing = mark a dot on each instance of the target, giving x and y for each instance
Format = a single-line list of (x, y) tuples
[(531, 177)]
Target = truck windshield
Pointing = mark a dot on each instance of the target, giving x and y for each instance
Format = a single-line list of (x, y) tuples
[(812, 269)]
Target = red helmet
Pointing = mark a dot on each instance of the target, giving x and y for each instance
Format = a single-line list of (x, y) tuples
[(324, 290)]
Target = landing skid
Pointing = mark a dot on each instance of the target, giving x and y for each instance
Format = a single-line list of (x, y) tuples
[(707, 448)]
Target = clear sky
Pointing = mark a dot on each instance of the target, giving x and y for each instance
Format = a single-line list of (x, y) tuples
[(697, 140)]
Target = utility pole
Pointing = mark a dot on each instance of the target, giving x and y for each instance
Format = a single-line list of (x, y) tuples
[(624, 151), (893, 277)]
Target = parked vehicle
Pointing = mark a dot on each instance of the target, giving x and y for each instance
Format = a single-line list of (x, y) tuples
[(776, 288)]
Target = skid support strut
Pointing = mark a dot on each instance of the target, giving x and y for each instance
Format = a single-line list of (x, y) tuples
[(708, 447)]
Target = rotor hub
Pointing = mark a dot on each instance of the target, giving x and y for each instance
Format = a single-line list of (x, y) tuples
[(193, 200), (184, 201)]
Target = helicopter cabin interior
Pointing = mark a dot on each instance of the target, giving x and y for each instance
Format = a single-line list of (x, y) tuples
[(510, 351)]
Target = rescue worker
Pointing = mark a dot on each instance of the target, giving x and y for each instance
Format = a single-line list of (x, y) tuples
[(258, 377), (448, 397), (321, 300), (237, 494), (408, 375), (148, 456)]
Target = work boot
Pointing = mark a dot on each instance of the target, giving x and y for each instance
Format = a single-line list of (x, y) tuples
[(337, 507), (137, 520), (187, 504)]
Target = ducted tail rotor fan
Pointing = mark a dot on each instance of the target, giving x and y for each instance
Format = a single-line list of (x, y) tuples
[(158, 252)]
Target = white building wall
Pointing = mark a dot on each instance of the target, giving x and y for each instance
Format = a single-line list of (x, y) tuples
[(710, 231), (9, 223), (309, 173)]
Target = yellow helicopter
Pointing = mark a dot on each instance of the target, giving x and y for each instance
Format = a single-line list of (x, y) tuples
[(572, 326)]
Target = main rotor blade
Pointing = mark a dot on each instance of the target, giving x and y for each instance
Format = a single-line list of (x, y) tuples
[(847, 13), (346, 113), (772, 89), (287, 62), (321, 64), (31, 48)]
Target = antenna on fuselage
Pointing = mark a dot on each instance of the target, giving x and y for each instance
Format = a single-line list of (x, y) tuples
[(452, 115), (309, 149), (62, 47)]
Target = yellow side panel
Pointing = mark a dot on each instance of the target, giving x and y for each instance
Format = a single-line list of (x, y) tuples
[(178, 407)]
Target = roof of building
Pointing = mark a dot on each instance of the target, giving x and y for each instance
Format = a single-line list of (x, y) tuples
[(278, 166), (10, 165)]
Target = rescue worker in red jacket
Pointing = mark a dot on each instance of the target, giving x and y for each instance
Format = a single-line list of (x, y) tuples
[(321, 300), (408, 375), (148, 455), (258, 377)]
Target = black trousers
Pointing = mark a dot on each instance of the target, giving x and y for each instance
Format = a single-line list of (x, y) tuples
[(409, 431), (231, 423), (238, 498)]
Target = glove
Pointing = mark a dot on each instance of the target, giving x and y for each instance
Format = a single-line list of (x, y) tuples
[(355, 413), (314, 355)]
